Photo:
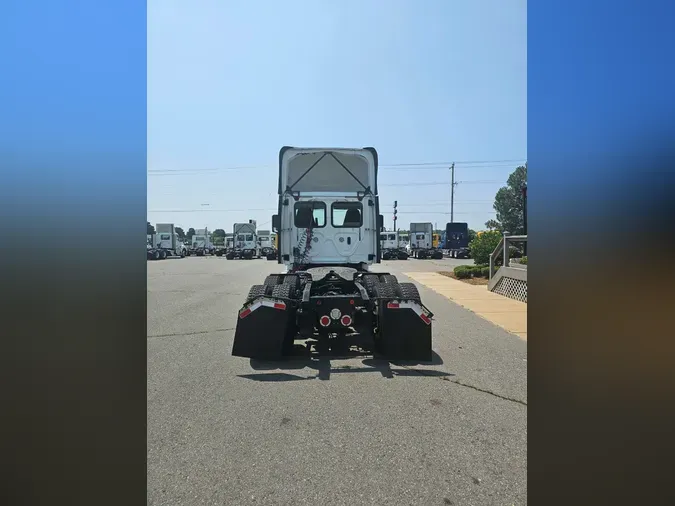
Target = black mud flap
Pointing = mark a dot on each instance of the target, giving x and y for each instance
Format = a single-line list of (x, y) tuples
[(264, 327), (405, 330)]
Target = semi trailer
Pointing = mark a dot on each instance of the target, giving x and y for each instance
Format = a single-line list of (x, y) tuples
[(421, 241), (328, 224)]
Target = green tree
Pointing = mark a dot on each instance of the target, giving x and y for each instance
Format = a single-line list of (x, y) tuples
[(472, 235), (219, 232), (181, 233), (483, 245), (190, 233), (509, 204), (151, 228)]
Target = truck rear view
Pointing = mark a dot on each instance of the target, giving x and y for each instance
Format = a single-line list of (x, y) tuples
[(421, 241), (328, 226)]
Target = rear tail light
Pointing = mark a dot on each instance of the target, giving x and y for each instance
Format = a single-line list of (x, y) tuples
[(346, 320), (324, 321)]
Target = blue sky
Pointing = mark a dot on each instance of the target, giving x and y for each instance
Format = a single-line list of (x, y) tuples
[(229, 83)]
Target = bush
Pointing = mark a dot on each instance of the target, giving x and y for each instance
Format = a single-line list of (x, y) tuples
[(483, 245), (462, 273), (523, 260), (460, 268), (476, 270), (485, 272)]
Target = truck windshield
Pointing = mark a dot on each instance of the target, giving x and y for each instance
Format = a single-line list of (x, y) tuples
[(392, 237), (249, 237), (241, 237)]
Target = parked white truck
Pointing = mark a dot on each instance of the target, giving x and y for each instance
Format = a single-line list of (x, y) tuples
[(391, 246), (328, 225), (165, 243), (421, 241), (201, 243), (266, 243), (245, 242)]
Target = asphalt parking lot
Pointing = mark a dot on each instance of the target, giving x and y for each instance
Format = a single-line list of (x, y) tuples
[(224, 430)]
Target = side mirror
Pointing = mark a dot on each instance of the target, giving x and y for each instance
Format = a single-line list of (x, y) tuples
[(276, 223), (380, 222)]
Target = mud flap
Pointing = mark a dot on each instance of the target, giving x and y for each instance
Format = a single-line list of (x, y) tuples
[(263, 326), (405, 330)]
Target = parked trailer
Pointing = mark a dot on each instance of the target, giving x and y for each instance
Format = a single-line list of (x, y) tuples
[(245, 244), (328, 225), (421, 245)]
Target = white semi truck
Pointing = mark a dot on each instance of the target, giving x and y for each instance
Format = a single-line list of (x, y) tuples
[(391, 246), (421, 241), (201, 243), (328, 225), (266, 243), (245, 243), (164, 243)]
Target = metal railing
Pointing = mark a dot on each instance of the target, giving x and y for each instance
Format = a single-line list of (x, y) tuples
[(503, 249)]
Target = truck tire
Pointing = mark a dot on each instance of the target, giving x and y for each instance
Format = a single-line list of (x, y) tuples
[(293, 281), (256, 291), (182, 253), (385, 290), (409, 292), (271, 280), (283, 292), (388, 278), (162, 255), (155, 255), (368, 281)]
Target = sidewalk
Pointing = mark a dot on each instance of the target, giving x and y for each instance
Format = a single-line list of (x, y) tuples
[(507, 313)]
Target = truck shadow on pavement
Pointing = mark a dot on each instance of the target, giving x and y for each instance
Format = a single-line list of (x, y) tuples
[(324, 365)]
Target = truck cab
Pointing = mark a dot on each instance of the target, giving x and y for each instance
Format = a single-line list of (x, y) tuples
[(328, 226), (328, 208)]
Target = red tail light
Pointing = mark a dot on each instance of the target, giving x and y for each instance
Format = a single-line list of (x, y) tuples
[(346, 320), (324, 321)]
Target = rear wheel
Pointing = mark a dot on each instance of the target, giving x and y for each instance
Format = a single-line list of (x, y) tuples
[(271, 280), (369, 281), (385, 290), (256, 291), (292, 281), (388, 278), (283, 291), (409, 291)]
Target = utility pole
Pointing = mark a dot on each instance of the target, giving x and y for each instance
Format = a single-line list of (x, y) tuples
[(452, 194), (395, 211)]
